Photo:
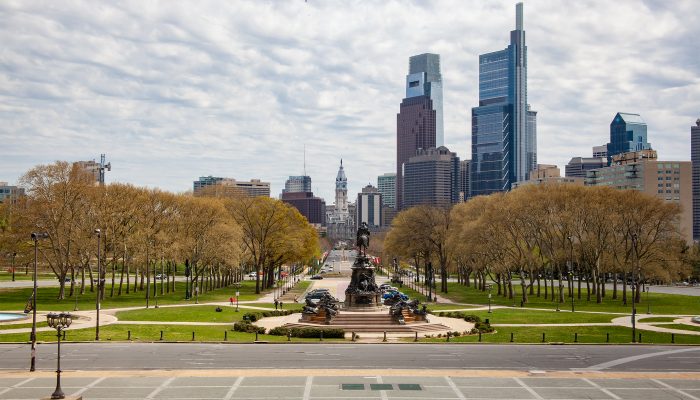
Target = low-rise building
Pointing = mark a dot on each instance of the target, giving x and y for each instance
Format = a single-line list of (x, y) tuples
[(10, 194), (231, 187)]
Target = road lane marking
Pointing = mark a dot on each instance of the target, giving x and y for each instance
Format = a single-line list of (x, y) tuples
[(455, 389), (91, 385), (602, 389), (630, 359), (160, 388), (236, 385), (382, 393), (307, 387), (529, 389), (16, 385), (666, 385)]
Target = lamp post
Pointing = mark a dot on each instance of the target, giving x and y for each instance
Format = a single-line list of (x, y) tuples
[(58, 322), (36, 236), (489, 287), (98, 233), (648, 289), (14, 255), (571, 271), (187, 279), (634, 284)]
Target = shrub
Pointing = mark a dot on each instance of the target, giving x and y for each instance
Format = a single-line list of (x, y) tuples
[(251, 317), (309, 332), (483, 327), (247, 327), (456, 334), (472, 318)]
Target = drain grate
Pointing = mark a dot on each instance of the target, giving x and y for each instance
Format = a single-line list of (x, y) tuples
[(409, 386), (381, 386), (352, 386)]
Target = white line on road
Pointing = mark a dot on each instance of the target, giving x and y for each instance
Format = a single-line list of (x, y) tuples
[(529, 389), (455, 389), (602, 389), (160, 388), (666, 385), (16, 385), (382, 393), (307, 387), (626, 360), (92, 384), (233, 389)]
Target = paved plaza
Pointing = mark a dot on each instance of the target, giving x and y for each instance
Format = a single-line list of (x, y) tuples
[(271, 385)]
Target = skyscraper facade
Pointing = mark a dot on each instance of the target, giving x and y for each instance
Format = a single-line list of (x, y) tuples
[(695, 160), (504, 128), (628, 133), (432, 178), (419, 124), (297, 184), (369, 207), (464, 180), (387, 187)]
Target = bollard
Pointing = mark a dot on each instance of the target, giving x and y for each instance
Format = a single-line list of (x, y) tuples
[(384, 340), (320, 337), (673, 338), (225, 336), (193, 336), (480, 335), (289, 336), (607, 337), (415, 339), (161, 335), (256, 336), (128, 337), (448, 336), (543, 340), (511, 337), (640, 338), (353, 336), (575, 337)]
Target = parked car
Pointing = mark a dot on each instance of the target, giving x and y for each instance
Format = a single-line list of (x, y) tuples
[(384, 286), (161, 276), (390, 293), (317, 277), (251, 275)]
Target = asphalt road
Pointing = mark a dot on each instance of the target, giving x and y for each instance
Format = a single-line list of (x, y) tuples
[(146, 356)]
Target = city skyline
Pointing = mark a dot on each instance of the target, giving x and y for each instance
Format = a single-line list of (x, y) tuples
[(171, 94)]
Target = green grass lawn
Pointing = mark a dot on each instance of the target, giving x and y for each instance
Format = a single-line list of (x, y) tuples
[(657, 319), (681, 327), (660, 303), (187, 314), (586, 334), (525, 316), (21, 276), (151, 333), (15, 299)]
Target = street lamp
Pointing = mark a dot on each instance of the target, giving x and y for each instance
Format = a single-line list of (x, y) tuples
[(36, 236), (59, 322), (187, 279), (571, 271), (648, 289), (98, 233), (489, 287), (13, 255), (634, 284)]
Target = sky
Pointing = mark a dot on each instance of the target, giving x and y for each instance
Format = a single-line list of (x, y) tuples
[(174, 90)]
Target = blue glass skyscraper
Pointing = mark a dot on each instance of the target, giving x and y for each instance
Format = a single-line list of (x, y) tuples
[(504, 129), (628, 132)]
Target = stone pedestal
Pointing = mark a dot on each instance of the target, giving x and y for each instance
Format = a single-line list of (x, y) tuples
[(362, 293)]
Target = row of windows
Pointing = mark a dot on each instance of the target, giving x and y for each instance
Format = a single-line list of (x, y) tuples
[(668, 191)]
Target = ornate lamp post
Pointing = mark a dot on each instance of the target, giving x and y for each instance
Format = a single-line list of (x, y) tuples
[(634, 284), (488, 287), (36, 236), (98, 233), (59, 322), (571, 270)]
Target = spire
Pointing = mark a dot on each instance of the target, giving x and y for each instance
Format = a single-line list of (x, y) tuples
[(519, 17)]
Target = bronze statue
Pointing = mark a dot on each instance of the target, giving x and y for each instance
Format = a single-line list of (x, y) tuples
[(362, 239)]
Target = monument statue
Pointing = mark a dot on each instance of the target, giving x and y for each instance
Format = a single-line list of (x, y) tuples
[(363, 292), (362, 241)]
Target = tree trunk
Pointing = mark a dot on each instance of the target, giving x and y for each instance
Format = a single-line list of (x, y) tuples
[(624, 288)]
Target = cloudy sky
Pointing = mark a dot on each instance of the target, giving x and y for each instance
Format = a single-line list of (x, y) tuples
[(175, 90)]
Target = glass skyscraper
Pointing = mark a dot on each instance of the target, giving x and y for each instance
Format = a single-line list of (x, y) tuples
[(504, 129), (628, 132), (419, 123)]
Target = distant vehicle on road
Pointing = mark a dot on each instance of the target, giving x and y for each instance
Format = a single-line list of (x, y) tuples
[(161, 276), (317, 277), (390, 293)]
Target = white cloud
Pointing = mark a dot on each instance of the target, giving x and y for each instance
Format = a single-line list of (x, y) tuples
[(171, 91)]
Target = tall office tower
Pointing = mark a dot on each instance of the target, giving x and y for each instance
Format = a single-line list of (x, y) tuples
[(628, 132), (387, 187), (419, 123), (297, 184), (369, 207), (695, 159), (504, 128), (464, 180), (310, 206), (432, 178)]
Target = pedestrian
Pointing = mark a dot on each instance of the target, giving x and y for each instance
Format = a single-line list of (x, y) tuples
[(281, 304), (230, 299), (276, 304)]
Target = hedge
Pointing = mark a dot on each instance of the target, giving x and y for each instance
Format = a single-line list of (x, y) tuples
[(331, 333), (243, 326)]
